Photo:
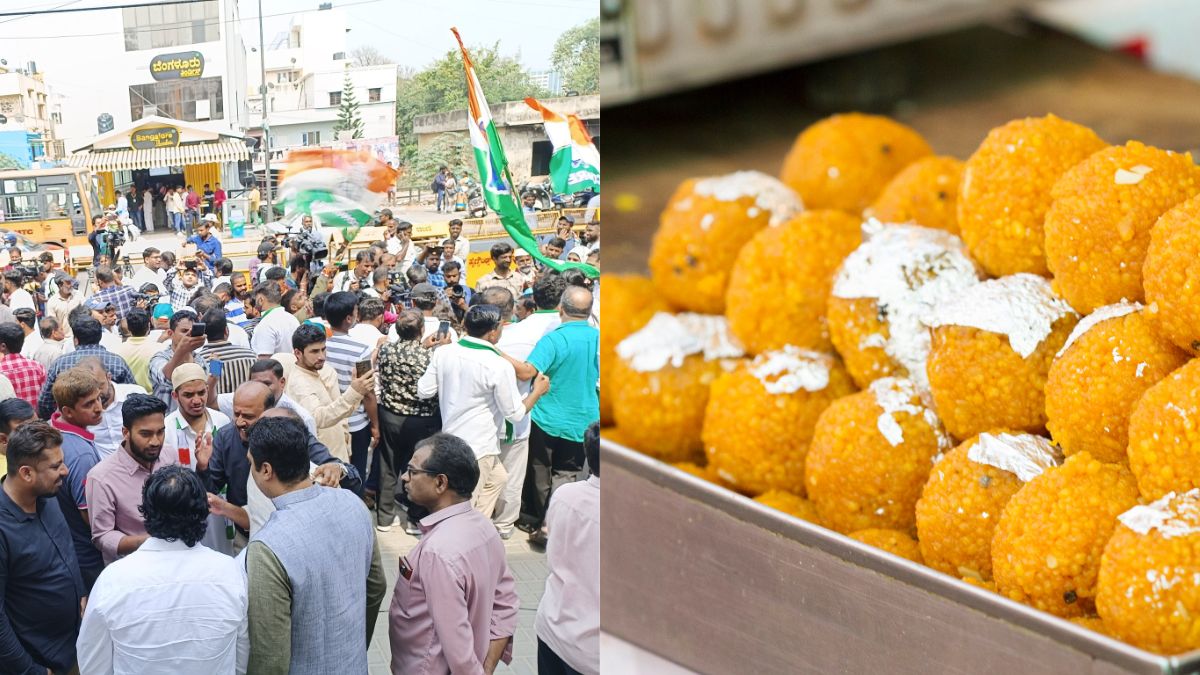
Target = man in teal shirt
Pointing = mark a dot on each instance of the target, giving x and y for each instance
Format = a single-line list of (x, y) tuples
[(569, 355)]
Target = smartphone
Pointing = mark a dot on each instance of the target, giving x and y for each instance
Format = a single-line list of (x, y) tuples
[(199, 329), (216, 367), (362, 367), (443, 329)]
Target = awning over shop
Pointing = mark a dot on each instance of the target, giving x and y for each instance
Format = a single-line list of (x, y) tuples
[(183, 155)]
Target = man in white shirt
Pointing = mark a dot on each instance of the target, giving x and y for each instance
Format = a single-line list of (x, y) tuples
[(17, 297), (106, 313), (457, 246), (54, 343), (171, 606), (370, 321), (478, 397), (273, 334), (108, 433), (27, 320), (60, 304), (151, 271), (364, 266)]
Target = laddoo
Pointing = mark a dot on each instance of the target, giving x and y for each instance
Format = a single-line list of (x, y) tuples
[(893, 541), (781, 280), (844, 161), (1171, 276), (1005, 190), (966, 493), (1098, 228), (760, 417), (925, 193), (870, 456), (631, 300), (1111, 358), (881, 293), (1047, 547), (703, 473), (1149, 588), (702, 229), (791, 504), (1164, 438), (990, 351), (662, 379)]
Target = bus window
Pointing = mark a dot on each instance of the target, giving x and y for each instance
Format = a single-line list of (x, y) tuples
[(56, 201), (18, 207)]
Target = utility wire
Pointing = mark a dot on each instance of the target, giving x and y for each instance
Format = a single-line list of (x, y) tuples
[(61, 10)]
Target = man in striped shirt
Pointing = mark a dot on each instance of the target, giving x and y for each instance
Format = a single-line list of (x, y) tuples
[(236, 361), (343, 352)]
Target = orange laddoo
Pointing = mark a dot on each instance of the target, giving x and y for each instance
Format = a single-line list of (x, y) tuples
[(1149, 589), (662, 377), (1092, 623), (1171, 276), (1047, 547), (966, 493), (1005, 190), (991, 349), (1098, 228), (924, 193), (781, 280), (844, 161), (870, 456), (881, 292), (703, 228), (791, 504), (703, 473), (1164, 442), (631, 301), (781, 393), (893, 541), (1111, 358)]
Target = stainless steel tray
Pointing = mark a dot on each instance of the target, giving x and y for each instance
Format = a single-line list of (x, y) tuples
[(721, 584)]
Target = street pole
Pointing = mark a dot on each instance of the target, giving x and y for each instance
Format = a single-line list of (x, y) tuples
[(266, 130)]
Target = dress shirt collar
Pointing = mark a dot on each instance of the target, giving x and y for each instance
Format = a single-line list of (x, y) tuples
[(594, 481), (297, 496), (12, 356), (130, 465), (57, 421), (428, 522), (12, 507), (156, 544)]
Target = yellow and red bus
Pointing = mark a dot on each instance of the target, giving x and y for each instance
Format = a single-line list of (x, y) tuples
[(49, 206)]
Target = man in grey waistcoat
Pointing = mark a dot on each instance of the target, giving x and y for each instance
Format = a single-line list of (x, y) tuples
[(315, 576)]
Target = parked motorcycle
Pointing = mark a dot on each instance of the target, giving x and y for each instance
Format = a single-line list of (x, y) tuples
[(476, 206)]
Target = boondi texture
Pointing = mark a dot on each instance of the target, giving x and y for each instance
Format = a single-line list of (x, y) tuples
[(1172, 275), (630, 300), (859, 331), (1164, 437), (844, 161), (925, 193), (1092, 387), (1005, 190), (781, 280), (791, 504), (1098, 228), (1047, 547), (893, 541)]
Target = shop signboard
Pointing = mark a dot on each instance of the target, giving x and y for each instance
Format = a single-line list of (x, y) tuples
[(154, 137), (180, 65)]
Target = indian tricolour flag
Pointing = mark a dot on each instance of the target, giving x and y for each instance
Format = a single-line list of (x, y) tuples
[(575, 163), (493, 171)]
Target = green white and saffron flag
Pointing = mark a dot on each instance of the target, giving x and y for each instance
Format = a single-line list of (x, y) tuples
[(494, 176), (575, 162)]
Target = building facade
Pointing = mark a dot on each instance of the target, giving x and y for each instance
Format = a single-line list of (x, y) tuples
[(30, 113)]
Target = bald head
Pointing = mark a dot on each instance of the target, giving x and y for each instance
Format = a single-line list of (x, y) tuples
[(576, 302), (250, 401)]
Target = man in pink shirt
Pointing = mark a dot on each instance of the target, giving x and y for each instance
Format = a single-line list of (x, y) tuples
[(455, 605), (192, 202), (114, 486)]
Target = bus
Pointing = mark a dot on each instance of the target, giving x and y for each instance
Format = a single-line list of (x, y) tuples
[(49, 206)]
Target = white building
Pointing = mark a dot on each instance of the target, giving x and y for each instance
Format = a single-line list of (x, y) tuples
[(30, 108), (550, 80)]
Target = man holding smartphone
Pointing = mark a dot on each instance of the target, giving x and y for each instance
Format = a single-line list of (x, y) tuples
[(350, 359)]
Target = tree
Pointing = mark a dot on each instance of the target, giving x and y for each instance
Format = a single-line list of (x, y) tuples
[(348, 118), (442, 87), (449, 150), (577, 56), (368, 56)]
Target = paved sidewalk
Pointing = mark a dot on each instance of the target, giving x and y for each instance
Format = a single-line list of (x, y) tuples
[(529, 569)]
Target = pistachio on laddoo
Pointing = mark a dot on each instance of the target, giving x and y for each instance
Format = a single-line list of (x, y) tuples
[(991, 349), (1164, 436), (896, 542), (966, 493), (760, 417), (1005, 190), (631, 300), (1111, 358), (1098, 228), (1171, 276), (781, 280), (925, 193), (703, 228), (1047, 546)]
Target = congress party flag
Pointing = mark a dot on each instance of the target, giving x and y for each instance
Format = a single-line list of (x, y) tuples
[(575, 162)]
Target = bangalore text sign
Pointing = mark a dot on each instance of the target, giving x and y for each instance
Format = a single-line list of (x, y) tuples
[(184, 65), (154, 137)]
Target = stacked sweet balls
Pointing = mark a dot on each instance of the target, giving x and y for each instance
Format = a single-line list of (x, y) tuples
[(982, 366)]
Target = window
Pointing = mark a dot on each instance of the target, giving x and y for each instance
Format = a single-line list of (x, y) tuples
[(57, 117), (18, 207), (335, 98), (310, 138), (171, 25), (373, 94), (177, 99), (339, 56)]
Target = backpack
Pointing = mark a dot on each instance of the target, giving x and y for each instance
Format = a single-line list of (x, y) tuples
[(434, 186)]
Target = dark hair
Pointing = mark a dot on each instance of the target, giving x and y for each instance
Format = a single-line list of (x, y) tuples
[(298, 264), (180, 316), (175, 505), (318, 302), (86, 328), (149, 251), (403, 225), (204, 300), (573, 303), (12, 337), (364, 255), (269, 290), (104, 274), (138, 406), (424, 302), (168, 258), (215, 324), (223, 287), (528, 303), (26, 316), (264, 251), (501, 297), (575, 277), (450, 265), (557, 242), (456, 221), (591, 447), (410, 324), (13, 276), (47, 326), (307, 334), (339, 307), (13, 410), (275, 274), (450, 456), (417, 274), (369, 308), (481, 320), (286, 300), (224, 267), (500, 249), (273, 441), (548, 290), (138, 322), (149, 288), (28, 442), (267, 365)]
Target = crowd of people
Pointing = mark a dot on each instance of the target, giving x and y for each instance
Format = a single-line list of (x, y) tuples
[(198, 459)]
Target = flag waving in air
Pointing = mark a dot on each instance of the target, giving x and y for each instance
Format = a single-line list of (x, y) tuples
[(493, 171), (575, 163)]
